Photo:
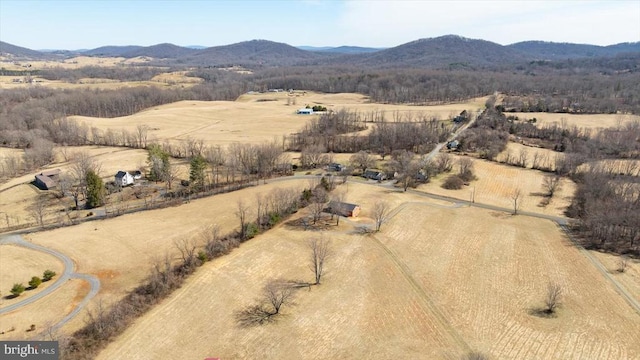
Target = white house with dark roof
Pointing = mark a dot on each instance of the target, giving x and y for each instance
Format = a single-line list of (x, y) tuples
[(123, 178)]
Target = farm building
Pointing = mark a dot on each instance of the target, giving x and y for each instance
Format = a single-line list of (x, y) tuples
[(343, 209), (304, 111), (374, 174), (137, 175), (123, 178), (47, 180), (335, 167)]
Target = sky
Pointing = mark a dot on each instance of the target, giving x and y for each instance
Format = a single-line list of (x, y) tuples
[(87, 24)]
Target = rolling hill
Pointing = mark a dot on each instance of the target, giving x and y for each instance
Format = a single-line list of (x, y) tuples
[(115, 51), (18, 52), (542, 50), (160, 51)]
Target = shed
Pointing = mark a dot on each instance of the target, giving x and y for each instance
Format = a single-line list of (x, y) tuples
[(48, 179), (123, 178), (343, 209), (137, 175), (305, 111)]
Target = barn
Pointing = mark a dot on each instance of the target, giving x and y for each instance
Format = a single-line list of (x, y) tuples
[(305, 111), (47, 180), (343, 209)]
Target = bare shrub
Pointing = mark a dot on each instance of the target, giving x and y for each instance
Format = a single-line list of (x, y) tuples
[(453, 182), (553, 297), (275, 294), (623, 263), (551, 184), (443, 163), (466, 169)]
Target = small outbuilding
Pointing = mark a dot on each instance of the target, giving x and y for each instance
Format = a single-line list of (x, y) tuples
[(48, 179), (305, 111), (123, 178), (343, 209)]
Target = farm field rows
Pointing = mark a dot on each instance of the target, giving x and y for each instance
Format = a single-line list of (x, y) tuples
[(412, 291), (488, 273)]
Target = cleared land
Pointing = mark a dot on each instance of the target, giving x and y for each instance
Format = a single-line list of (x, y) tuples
[(255, 118), (590, 121), (412, 291), (120, 251), (18, 265), (497, 182)]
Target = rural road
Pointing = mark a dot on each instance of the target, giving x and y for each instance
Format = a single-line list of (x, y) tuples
[(67, 274)]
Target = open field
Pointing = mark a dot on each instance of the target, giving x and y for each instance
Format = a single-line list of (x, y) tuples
[(253, 118), (18, 265), (631, 276), (547, 156), (120, 251), (589, 121), (71, 63), (412, 291), (44, 313), (497, 182)]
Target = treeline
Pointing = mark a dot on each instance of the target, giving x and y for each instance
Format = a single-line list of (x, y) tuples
[(39, 113), (607, 199), (527, 91), (121, 73), (337, 132)]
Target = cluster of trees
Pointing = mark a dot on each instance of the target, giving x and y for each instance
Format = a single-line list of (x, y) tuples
[(488, 135), (35, 281)]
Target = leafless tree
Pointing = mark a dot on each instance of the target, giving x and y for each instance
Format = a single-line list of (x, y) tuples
[(552, 299), (318, 202), (187, 248), (313, 156), (380, 213), (142, 135), (275, 294), (38, 210), (516, 196), (406, 167), (82, 164), (362, 160), (242, 213), (551, 184), (320, 251), (623, 263), (522, 158), (443, 163)]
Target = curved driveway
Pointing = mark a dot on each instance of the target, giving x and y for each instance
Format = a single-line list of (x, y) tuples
[(67, 273)]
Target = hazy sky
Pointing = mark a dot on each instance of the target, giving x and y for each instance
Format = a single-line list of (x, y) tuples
[(80, 24)]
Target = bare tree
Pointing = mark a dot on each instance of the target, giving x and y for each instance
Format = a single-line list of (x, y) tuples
[(38, 210), (320, 251), (551, 184), (552, 300), (516, 196), (187, 248), (406, 167), (242, 212), (443, 163), (141, 135), (275, 294), (623, 263), (380, 213), (83, 163), (522, 158), (318, 202), (362, 160)]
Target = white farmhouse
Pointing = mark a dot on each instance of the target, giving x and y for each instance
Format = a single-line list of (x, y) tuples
[(123, 178)]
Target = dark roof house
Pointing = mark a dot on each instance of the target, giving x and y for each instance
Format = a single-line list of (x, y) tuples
[(47, 179)]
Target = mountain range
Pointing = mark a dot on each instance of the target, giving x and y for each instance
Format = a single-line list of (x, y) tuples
[(449, 51)]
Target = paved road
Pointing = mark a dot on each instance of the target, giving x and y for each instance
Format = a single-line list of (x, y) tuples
[(67, 273)]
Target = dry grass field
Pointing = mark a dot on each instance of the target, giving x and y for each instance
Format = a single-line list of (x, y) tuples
[(589, 121), (254, 118), (496, 184), (120, 251), (18, 265), (435, 283), (547, 156)]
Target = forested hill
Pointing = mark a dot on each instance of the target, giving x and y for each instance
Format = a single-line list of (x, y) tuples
[(448, 52)]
